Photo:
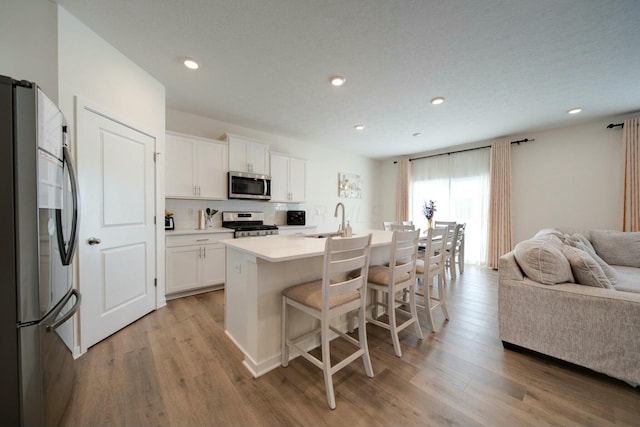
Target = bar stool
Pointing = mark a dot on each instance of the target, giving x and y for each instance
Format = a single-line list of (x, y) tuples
[(399, 275), (328, 298)]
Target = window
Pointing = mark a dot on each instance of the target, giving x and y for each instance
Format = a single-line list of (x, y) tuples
[(459, 185)]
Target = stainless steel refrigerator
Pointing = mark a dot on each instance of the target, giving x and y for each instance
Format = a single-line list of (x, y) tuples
[(38, 223)]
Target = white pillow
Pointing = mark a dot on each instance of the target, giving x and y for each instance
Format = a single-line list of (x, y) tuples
[(585, 269), (606, 268), (542, 260)]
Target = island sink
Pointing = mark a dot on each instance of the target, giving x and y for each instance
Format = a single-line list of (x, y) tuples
[(322, 235)]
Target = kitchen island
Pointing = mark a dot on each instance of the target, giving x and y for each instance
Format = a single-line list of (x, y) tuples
[(257, 270)]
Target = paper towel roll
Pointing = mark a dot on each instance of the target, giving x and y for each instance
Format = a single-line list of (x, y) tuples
[(201, 222)]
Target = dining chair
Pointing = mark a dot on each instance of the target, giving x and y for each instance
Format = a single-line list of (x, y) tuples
[(341, 290), (399, 275), (457, 251), (388, 224), (428, 268), (450, 239), (451, 224), (402, 227)]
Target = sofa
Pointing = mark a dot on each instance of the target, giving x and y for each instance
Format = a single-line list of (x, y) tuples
[(575, 297)]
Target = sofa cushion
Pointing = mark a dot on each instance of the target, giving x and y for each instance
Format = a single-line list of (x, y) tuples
[(617, 247), (585, 269), (541, 259), (579, 243), (628, 279)]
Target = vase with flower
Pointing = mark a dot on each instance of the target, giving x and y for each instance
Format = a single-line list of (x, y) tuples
[(428, 209)]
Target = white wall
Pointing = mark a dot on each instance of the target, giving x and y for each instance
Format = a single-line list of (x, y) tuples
[(568, 177), (100, 75), (29, 43), (322, 178)]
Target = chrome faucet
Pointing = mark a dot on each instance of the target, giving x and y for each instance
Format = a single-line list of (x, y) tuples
[(341, 230)]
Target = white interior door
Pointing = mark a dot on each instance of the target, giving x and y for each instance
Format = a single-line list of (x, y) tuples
[(116, 247)]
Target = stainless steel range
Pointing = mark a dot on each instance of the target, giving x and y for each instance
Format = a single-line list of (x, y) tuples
[(247, 224)]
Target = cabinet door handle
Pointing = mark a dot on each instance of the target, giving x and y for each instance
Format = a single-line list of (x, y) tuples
[(202, 240), (205, 251)]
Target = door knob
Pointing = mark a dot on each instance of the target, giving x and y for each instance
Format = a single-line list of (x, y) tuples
[(94, 241)]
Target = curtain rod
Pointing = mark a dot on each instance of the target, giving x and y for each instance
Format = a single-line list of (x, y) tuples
[(612, 125), (468, 149)]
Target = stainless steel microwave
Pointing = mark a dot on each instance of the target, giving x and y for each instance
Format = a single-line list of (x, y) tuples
[(245, 185)]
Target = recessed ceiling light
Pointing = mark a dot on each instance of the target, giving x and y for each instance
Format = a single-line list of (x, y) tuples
[(437, 101), (416, 134), (190, 63), (575, 111), (337, 80), (359, 127)]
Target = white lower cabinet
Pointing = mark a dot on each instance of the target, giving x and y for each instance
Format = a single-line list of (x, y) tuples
[(194, 263)]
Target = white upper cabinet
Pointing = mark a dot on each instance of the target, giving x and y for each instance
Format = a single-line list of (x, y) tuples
[(247, 155), (196, 168), (288, 178)]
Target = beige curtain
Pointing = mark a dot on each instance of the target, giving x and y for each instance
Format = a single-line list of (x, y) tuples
[(631, 148), (402, 190), (499, 233)]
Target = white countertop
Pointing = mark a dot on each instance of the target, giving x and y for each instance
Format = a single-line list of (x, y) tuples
[(285, 248), (188, 231)]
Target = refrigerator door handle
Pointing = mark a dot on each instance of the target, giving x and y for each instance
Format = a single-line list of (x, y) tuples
[(67, 253), (76, 306)]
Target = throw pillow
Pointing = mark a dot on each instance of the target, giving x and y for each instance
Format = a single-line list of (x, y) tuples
[(606, 268), (581, 238), (585, 269), (545, 232), (617, 247), (542, 260)]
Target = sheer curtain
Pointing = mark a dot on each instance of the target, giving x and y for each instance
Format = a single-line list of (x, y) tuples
[(459, 185)]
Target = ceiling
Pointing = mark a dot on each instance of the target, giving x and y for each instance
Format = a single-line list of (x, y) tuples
[(505, 67)]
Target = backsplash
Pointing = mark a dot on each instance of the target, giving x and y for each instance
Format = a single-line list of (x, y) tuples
[(185, 212)]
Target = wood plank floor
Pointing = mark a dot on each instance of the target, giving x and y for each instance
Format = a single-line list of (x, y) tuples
[(176, 367)]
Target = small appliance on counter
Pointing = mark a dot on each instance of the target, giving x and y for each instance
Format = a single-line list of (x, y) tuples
[(296, 218), (168, 220)]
